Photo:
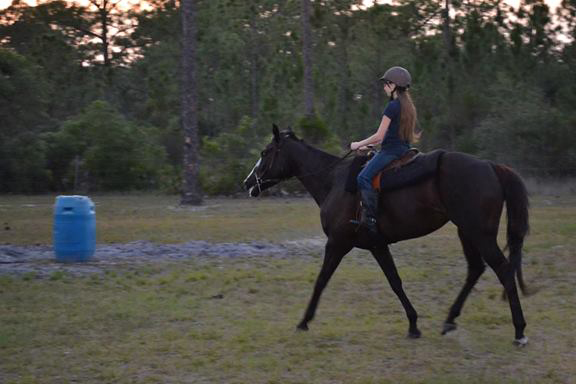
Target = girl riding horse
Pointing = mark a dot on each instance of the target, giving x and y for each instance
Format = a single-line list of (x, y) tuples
[(395, 133)]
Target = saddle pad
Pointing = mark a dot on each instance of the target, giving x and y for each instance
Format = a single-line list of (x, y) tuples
[(353, 171), (416, 167), (420, 168)]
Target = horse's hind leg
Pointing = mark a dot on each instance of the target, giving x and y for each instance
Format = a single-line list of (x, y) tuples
[(475, 269), (498, 262), (333, 254), (384, 259)]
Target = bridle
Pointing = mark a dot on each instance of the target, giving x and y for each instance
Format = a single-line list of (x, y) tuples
[(260, 180)]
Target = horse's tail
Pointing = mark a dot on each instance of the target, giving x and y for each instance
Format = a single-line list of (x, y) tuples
[(516, 197)]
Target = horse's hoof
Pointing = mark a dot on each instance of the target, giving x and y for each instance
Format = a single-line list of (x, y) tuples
[(302, 327), (520, 343), (414, 334), (448, 327)]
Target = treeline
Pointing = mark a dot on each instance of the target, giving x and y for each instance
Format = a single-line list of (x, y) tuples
[(89, 96)]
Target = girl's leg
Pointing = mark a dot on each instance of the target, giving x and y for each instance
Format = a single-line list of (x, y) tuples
[(369, 194), (375, 165)]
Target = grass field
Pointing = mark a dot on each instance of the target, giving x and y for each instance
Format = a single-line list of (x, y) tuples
[(233, 320)]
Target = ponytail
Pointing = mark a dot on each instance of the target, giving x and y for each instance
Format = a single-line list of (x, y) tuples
[(408, 116)]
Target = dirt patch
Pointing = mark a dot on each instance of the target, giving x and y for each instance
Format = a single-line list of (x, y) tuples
[(40, 259)]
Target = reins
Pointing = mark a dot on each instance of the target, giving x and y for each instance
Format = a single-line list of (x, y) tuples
[(330, 166), (260, 179)]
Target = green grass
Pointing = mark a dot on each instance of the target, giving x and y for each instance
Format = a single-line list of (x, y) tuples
[(161, 219), (233, 321)]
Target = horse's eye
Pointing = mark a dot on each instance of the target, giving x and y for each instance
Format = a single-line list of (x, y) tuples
[(263, 153)]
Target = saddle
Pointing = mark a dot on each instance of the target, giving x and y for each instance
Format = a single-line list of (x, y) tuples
[(395, 165), (409, 169)]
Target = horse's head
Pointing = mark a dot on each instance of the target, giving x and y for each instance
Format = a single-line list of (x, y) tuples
[(273, 166)]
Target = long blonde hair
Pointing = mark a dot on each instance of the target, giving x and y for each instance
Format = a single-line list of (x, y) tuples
[(408, 116)]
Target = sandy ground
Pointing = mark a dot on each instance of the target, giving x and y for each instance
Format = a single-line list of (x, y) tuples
[(41, 260)]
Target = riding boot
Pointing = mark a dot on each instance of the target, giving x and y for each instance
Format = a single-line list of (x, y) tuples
[(369, 210)]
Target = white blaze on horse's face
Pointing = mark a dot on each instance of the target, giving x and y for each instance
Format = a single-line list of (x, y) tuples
[(253, 170), (250, 175)]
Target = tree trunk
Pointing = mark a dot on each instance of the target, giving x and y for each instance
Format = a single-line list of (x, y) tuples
[(307, 58), (446, 28), (448, 53), (191, 193), (254, 70), (344, 83), (376, 85), (105, 44), (103, 15)]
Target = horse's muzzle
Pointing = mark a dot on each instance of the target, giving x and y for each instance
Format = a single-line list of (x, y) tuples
[(250, 184), (253, 190), (255, 186)]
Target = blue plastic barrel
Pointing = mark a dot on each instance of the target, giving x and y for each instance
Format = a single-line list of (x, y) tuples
[(74, 228)]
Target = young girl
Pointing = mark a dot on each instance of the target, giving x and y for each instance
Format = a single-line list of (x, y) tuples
[(396, 133)]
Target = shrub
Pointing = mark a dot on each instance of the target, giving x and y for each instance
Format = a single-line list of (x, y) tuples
[(112, 153)]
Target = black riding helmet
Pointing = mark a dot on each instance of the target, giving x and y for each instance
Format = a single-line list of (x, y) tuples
[(399, 76)]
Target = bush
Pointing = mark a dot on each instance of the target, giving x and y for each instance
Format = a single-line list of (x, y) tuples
[(22, 118), (228, 158), (527, 133), (315, 131), (24, 164), (112, 153)]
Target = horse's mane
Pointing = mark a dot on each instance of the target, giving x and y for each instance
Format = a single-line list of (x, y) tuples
[(289, 134)]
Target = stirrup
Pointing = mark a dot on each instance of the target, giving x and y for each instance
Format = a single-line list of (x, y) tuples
[(370, 224), (372, 229)]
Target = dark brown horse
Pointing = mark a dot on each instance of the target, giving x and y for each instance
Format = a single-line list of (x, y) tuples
[(465, 190)]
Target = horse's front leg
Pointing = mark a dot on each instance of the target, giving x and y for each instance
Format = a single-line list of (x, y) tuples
[(333, 254), (384, 259)]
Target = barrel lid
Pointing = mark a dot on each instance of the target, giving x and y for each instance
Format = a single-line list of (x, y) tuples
[(73, 201)]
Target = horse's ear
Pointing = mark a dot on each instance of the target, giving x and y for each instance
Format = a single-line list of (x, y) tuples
[(276, 132)]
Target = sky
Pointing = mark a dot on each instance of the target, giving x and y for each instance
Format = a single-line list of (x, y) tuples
[(552, 3)]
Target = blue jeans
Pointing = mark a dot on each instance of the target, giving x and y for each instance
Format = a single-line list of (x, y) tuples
[(376, 164)]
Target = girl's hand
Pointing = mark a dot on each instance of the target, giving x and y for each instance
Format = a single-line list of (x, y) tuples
[(354, 146), (417, 136)]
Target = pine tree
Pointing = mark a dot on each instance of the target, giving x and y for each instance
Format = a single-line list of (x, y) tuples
[(191, 193)]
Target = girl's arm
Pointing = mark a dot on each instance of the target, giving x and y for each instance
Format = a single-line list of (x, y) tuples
[(375, 138)]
